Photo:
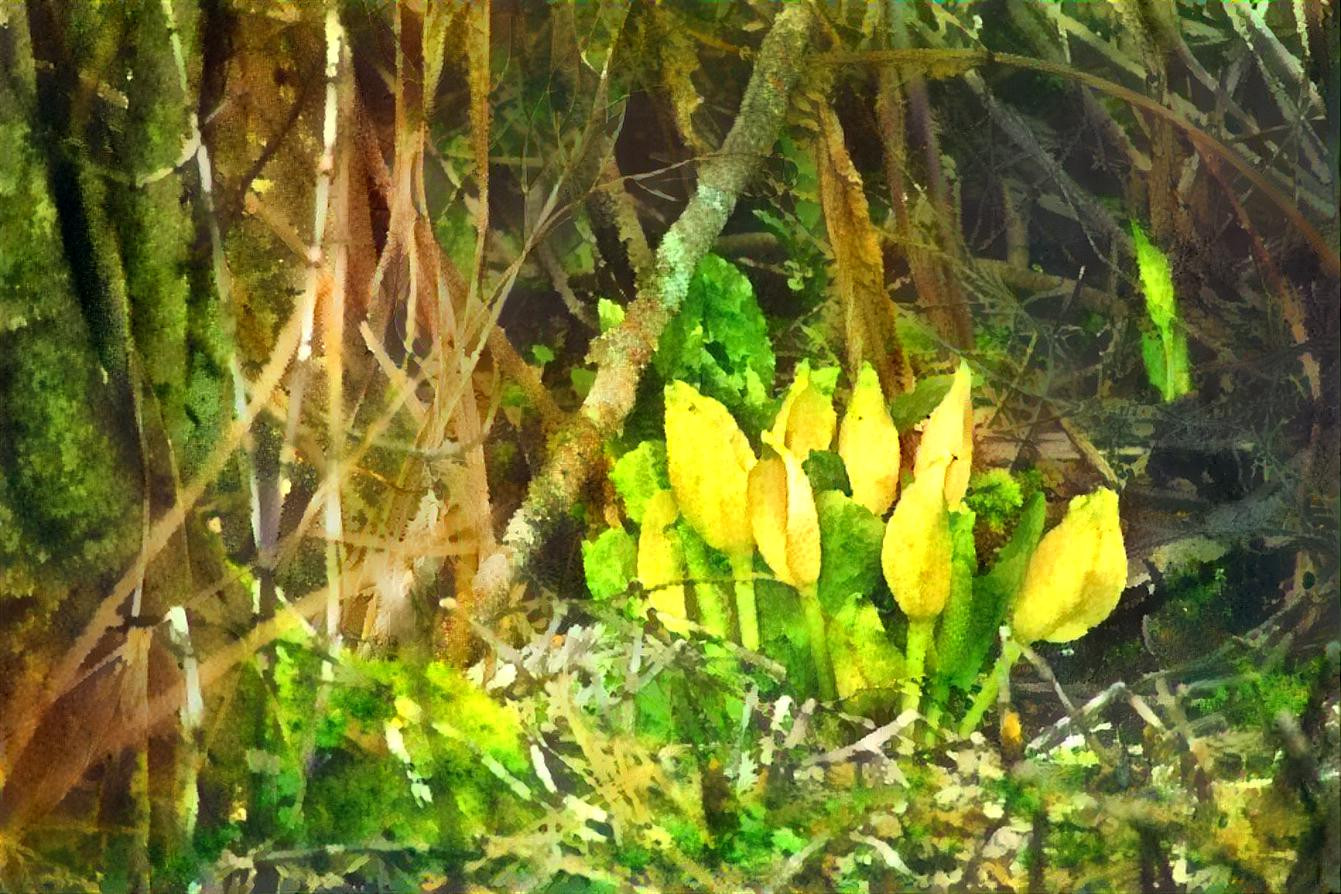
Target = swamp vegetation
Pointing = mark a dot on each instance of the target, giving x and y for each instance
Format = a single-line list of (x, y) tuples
[(603, 446)]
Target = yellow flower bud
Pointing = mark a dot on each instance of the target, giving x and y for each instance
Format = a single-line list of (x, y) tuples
[(948, 437), (807, 419), (1076, 576), (869, 445), (784, 518), (661, 561), (709, 459), (916, 552)]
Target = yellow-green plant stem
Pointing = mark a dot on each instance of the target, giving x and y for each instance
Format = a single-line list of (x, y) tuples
[(915, 660), (1010, 653), (747, 613), (713, 612), (818, 635)]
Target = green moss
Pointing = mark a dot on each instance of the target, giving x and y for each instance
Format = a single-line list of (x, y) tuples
[(68, 503)]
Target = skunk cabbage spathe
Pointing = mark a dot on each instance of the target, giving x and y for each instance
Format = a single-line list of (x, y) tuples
[(917, 548), (1076, 575), (806, 420), (708, 460), (868, 443), (947, 437)]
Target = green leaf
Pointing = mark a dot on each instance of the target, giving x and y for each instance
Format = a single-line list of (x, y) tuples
[(850, 540), (719, 343), (825, 378), (866, 664), (542, 354), (783, 634), (994, 591), (909, 409), (582, 379), (1156, 279), (1165, 349), (639, 474), (1166, 363), (995, 496), (608, 314), (826, 471), (610, 562), (956, 621)]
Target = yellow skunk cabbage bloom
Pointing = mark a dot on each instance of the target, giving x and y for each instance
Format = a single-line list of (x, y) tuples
[(948, 437), (786, 528), (709, 461), (784, 519), (1076, 576), (868, 442), (915, 555), (661, 561), (807, 419)]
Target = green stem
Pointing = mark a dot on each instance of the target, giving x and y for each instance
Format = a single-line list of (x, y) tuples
[(940, 694), (818, 635), (747, 613), (713, 612), (1010, 652), (919, 637)]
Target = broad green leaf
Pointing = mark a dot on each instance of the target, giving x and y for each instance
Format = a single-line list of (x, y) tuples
[(782, 633), (609, 562), (639, 474), (827, 472), (865, 662), (994, 591), (850, 542), (909, 409), (719, 343)]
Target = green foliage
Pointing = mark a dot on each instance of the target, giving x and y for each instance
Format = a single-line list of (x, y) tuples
[(65, 469), (995, 496), (867, 666), (1257, 694), (608, 314), (1165, 349), (993, 591), (826, 471), (719, 342), (783, 634), (909, 409), (610, 562), (850, 539), (639, 474)]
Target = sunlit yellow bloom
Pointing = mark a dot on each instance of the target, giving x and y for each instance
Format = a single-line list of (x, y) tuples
[(948, 437), (916, 551), (784, 519), (869, 445), (807, 419), (709, 461), (1076, 576), (661, 561)]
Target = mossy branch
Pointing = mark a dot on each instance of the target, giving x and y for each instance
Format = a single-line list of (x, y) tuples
[(626, 350)]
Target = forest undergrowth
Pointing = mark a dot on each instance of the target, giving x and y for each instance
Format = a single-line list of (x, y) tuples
[(593, 446)]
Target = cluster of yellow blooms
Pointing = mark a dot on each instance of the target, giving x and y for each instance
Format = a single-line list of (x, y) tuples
[(739, 503)]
